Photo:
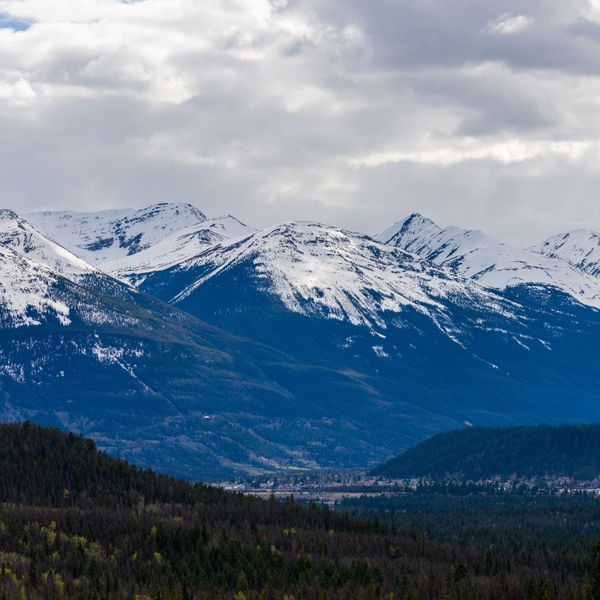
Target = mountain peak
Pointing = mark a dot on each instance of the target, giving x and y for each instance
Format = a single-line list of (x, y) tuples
[(417, 217), (415, 223), (171, 208), (474, 254), (418, 221), (6, 214)]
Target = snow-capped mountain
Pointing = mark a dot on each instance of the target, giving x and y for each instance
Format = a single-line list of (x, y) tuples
[(580, 248), (177, 248), (86, 352), (113, 234), (18, 234), (440, 345), (326, 348), (491, 263), (327, 272), (378, 293), (25, 292), (43, 282), (31, 294)]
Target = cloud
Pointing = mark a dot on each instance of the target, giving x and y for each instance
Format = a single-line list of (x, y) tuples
[(506, 24), (16, 93), (354, 113), (505, 153)]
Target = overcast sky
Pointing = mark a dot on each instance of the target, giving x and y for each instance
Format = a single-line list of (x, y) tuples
[(482, 113)]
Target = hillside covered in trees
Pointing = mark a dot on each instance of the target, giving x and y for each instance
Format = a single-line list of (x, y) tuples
[(480, 453), (77, 524)]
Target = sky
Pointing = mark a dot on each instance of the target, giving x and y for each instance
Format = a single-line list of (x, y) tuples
[(479, 113)]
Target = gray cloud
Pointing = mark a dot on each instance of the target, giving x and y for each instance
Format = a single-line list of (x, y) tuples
[(478, 113)]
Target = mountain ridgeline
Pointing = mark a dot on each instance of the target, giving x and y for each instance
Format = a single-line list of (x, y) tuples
[(477, 453), (76, 523), (208, 349)]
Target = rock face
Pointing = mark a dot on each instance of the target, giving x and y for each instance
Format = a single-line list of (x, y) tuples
[(205, 348)]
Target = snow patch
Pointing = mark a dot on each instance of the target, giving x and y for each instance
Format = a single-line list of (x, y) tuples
[(380, 352)]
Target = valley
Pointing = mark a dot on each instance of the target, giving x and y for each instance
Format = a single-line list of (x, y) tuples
[(338, 489), (77, 523)]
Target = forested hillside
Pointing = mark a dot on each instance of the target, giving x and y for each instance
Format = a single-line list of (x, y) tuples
[(75, 523), (479, 453)]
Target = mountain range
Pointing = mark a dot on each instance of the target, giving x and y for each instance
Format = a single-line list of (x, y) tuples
[(207, 348)]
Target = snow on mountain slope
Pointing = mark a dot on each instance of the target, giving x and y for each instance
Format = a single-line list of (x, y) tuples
[(488, 261), (25, 292), (579, 248), (179, 247), (19, 235), (113, 234), (33, 294), (42, 282), (328, 272)]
